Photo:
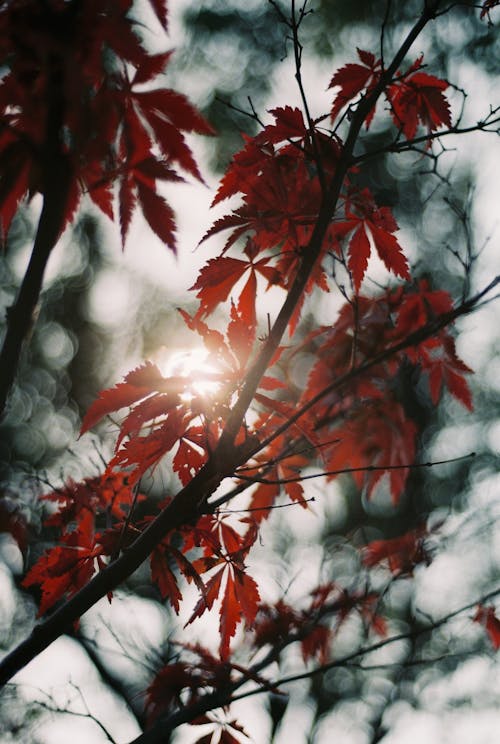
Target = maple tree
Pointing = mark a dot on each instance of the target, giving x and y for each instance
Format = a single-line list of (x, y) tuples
[(84, 112)]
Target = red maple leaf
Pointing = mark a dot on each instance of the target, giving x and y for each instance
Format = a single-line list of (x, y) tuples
[(236, 589), (401, 553), (316, 644), (168, 685), (289, 126), (138, 384), (354, 78), (162, 575), (418, 98), (368, 224), (219, 276), (437, 356), (375, 433), (64, 569)]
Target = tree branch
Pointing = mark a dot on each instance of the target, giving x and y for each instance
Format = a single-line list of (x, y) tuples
[(56, 179)]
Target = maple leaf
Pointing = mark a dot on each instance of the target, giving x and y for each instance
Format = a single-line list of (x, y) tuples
[(216, 280), (368, 224), (367, 607), (275, 622), (150, 67), (190, 454), (143, 452), (64, 569), (375, 433), (289, 125), (418, 97), (237, 591), (446, 369), (316, 644), (212, 589), (230, 614), (168, 685), (401, 553), (437, 357), (159, 215), (280, 191), (354, 78), (138, 384)]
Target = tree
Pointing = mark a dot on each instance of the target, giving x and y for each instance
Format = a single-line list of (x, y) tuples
[(246, 429)]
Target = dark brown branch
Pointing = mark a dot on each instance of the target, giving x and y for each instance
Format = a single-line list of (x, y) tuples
[(410, 145), (345, 471), (56, 178)]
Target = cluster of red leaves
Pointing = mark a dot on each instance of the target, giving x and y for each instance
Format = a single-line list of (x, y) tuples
[(415, 97), (113, 127), (279, 623), (281, 194), (94, 521), (175, 680), (361, 426), (170, 413), (182, 682), (281, 176), (277, 175), (367, 422), (223, 551), (83, 512), (279, 473)]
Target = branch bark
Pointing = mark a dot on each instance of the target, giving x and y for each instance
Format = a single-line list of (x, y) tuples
[(56, 180)]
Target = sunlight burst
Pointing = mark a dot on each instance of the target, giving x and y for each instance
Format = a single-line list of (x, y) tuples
[(190, 363)]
